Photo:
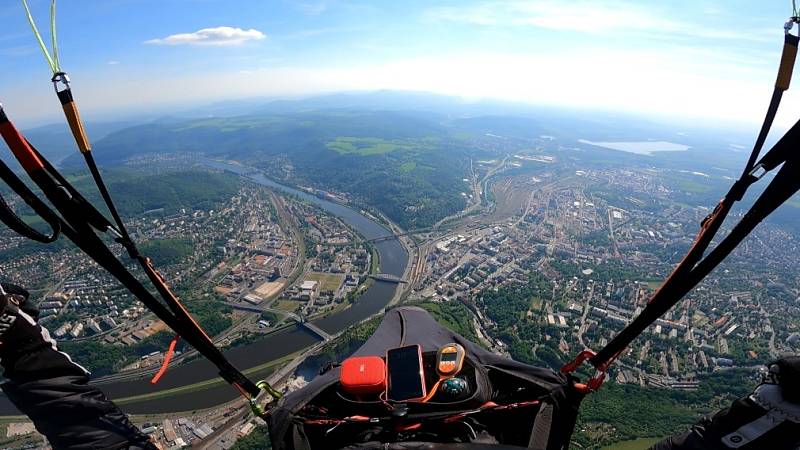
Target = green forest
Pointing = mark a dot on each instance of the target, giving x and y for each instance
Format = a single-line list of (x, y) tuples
[(623, 412), (258, 439), (103, 359), (405, 164), (165, 252)]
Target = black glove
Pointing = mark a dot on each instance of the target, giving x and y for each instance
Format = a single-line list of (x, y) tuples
[(788, 376), (52, 390), (26, 349), (22, 298)]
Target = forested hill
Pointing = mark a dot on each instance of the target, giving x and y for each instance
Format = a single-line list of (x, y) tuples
[(408, 165), (410, 159), (135, 193)]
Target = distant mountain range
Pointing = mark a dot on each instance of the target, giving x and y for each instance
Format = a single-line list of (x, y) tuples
[(406, 153)]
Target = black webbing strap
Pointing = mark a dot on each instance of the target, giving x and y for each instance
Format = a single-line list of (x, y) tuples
[(542, 424), (788, 57), (13, 221)]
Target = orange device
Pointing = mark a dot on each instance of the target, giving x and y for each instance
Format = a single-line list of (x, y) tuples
[(363, 375), (449, 362)]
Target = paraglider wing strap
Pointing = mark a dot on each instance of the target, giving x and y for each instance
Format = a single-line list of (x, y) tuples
[(299, 438), (13, 221), (540, 434), (74, 120), (787, 62)]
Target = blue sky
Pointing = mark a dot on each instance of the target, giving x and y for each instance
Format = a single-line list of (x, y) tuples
[(713, 59)]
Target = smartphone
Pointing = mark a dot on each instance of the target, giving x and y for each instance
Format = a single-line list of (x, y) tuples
[(404, 373)]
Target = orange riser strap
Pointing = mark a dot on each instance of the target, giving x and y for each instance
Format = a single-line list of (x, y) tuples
[(19, 146)]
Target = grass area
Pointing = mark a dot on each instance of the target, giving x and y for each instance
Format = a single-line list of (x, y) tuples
[(327, 281), (375, 260), (31, 219), (698, 320), (364, 146), (635, 444), (693, 187), (288, 305), (654, 285), (234, 123)]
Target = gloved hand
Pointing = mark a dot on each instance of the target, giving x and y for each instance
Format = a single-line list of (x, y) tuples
[(769, 418), (787, 372), (52, 390), (26, 349)]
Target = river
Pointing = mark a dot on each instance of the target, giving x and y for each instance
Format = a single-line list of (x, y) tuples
[(393, 260)]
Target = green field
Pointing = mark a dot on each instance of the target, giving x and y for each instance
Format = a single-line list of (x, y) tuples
[(364, 146), (327, 281), (654, 285), (693, 186), (635, 444), (288, 305)]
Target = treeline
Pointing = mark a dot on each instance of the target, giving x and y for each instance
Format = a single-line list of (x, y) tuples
[(172, 191), (258, 439), (454, 316), (165, 252), (634, 411), (103, 359), (508, 305), (610, 270)]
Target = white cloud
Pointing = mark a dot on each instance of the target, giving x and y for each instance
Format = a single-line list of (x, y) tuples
[(113, 63), (218, 36)]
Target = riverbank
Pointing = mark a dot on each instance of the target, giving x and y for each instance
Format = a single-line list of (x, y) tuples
[(143, 398)]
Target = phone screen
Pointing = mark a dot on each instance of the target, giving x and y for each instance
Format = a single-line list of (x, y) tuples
[(405, 373)]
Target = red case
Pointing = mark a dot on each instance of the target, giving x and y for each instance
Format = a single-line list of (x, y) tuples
[(363, 375)]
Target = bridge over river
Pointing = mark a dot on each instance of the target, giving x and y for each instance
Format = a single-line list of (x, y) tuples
[(389, 278)]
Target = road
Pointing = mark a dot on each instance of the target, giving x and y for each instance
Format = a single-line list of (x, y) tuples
[(586, 309), (478, 190), (611, 233)]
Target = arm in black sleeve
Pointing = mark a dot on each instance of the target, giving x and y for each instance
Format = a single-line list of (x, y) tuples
[(52, 390), (769, 418)]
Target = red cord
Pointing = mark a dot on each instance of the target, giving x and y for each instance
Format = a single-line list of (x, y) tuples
[(167, 359)]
